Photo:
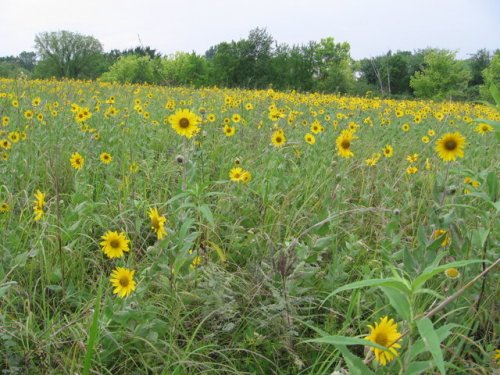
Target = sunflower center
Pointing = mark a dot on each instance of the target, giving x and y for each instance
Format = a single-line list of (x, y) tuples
[(184, 123), (450, 145), (115, 244), (155, 223), (381, 338), (345, 144), (278, 140), (124, 281)]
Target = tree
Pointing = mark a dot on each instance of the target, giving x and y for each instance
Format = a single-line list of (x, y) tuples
[(443, 77), (491, 77), (333, 66), (68, 54), (135, 69)]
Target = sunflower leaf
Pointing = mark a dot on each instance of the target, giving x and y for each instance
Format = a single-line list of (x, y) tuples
[(431, 342)]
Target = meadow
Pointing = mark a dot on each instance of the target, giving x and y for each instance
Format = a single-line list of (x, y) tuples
[(156, 230)]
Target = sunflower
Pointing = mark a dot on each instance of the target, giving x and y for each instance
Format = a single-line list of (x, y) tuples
[(426, 139), (310, 138), (452, 273), (106, 158), (450, 146), (185, 123), (77, 161), (4, 207), (411, 170), (39, 202), (385, 333), (405, 127), (438, 233), (483, 128), (388, 151), (157, 223), (278, 138), (316, 127), (229, 131), (123, 281), (114, 244), (412, 158), (344, 142), (236, 174), (236, 118)]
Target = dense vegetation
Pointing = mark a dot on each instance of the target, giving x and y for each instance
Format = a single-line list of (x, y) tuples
[(259, 62), (159, 230)]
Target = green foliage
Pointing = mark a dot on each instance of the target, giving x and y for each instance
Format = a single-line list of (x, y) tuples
[(187, 69), (442, 77), (68, 54), (135, 69), (491, 76)]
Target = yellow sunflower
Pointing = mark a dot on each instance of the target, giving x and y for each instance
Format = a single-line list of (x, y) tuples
[(450, 146), (106, 158), (278, 138), (77, 161), (483, 128), (235, 174), (309, 138), (114, 244), (388, 151), (38, 205), (344, 142), (229, 131), (385, 333), (157, 223), (185, 123), (123, 281), (442, 232)]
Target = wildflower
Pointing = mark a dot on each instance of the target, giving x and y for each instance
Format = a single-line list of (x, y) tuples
[(344, 142), (412, 158), (309, 138), (229, 131), (4, 207), (185, 123), (442, 232), (235, 174), (157, 223), (106, 158), (450, 146), (483, 128), (426, 139), (278, 138), (405, 127), (77, 161), (385, 333), (411, 170), (114, 244), (123, 281), (388, 151), (38, 205), (452, 273)]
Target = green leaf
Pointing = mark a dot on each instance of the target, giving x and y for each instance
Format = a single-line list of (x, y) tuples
[(495, 93), (355, 364), (398, 301), (492, 184), (94, 331), (442, 333), (399, 284), (207, 214), (343, 340), (419, 367), (5, 287), (431, 341), (432, 271), (479, 237), (219, 251)]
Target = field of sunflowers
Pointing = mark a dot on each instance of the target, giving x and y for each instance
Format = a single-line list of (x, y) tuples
[(155, 230)]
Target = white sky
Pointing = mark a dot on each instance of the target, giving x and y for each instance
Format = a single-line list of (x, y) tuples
[(371, 27)]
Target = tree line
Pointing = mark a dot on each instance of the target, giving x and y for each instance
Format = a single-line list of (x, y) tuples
[(259, 62)]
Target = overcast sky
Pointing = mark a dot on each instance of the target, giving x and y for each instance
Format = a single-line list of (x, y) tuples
[(371, 27)]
